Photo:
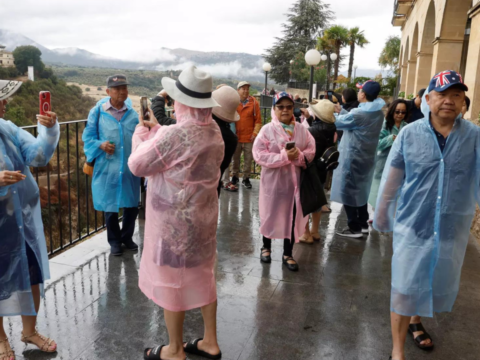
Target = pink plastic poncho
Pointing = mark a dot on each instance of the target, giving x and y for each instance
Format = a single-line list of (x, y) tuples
[(280, 180), (182, 163)]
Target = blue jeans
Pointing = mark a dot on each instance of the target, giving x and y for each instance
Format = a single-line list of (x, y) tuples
[(114, 234)]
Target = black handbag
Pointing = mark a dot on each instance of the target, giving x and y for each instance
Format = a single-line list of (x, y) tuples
[(312, 196), (329, 160)]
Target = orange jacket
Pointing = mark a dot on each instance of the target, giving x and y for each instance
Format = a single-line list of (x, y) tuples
[(250, 120)]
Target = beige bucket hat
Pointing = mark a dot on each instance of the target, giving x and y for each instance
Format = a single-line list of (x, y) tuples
[(324, 110), (193, 88), (229, 100)]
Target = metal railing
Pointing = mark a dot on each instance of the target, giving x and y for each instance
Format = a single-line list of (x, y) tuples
[(67, 208)]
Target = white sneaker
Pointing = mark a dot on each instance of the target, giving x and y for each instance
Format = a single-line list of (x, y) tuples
[(350, 234)]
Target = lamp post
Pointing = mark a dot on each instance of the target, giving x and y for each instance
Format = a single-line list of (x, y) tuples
[(355, 67), (267, 68), (334, 58), (312, 58), (291, 72)]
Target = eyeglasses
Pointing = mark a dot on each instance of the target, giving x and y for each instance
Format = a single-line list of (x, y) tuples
[(400, 112), (284, 107)]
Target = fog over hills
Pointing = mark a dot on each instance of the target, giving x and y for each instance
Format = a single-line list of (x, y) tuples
[(219, 64)]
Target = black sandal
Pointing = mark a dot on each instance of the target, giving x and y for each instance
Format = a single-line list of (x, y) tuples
[(192, 348), (266, 259), (154, 353), (412, 328), (291, 267)]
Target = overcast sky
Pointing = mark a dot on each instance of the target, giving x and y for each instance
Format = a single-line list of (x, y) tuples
[(138, 29)]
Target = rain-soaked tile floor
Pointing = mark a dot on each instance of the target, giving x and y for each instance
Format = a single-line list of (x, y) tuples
[(335, 307)]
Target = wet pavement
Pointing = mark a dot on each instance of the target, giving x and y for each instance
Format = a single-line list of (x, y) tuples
[(335, 307)]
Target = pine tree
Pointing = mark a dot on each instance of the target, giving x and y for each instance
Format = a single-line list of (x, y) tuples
[(304, 21)]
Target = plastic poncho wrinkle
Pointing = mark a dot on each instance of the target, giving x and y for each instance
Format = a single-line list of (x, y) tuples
[(352, 179), (182, 162), (383, 149), (428, 199), (113, 185), (280, 179), (20, 215)]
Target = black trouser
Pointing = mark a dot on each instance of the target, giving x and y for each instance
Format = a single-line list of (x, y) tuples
[(114, 234), (287, 243), (357, 217)]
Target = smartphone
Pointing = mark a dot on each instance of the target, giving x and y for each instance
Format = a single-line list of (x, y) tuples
[(290, 145), (144, 108), (45, 104), (169, 101), (330, 95)]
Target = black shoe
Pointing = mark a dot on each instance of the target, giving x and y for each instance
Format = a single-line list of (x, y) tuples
[(234, 180), (350, 233), (116, 250), (130, 245), (265, 259), (246, 183), (291, 267)]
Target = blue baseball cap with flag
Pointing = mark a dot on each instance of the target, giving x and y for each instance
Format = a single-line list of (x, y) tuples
[(280, 96), (445, 80), (370, 87)]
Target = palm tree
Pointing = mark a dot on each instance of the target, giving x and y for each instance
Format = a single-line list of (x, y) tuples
[(326, 46), (338, 35), (390, 54), (355, 38)]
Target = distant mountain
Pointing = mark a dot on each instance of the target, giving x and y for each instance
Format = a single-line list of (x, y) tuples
[(219, 64)]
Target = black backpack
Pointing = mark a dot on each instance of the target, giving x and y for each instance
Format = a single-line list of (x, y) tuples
[(329, 160)]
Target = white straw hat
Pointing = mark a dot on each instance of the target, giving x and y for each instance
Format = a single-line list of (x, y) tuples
[(8, 88), (193, 88), (229, 100)]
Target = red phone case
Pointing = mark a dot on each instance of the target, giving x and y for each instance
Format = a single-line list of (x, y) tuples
[(45, 104)]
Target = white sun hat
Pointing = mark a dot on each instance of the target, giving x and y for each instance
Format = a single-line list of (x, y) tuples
[(229, 100), (193, 88), (8, 88)]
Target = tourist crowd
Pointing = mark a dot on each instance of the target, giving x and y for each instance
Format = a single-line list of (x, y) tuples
[(417, 163)]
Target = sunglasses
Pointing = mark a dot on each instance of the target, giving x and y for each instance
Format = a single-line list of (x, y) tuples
[(400, 112), (284, 107)]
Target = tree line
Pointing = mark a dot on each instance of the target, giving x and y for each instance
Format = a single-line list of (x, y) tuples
[(309, 26)]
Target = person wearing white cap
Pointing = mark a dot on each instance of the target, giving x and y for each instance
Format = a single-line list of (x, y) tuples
[(182, 163), (224, 115), (24, 265), (247, 129)]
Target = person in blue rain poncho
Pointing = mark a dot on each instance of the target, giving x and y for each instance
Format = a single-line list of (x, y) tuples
[(108, 143), (427, 198), (352, 179), (23, 253)]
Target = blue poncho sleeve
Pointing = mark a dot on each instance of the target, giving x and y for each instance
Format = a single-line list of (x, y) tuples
[(38, 151), (345, 121), (392, 181), (90, 135)]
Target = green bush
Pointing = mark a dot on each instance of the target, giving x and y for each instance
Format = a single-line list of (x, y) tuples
[(99, 88), (87, 89), (401, 94), (410, 97)]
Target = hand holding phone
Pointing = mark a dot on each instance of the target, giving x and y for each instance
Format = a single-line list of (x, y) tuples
[(290, 145), (45, 103)]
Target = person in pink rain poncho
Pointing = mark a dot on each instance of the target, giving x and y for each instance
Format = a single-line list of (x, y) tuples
[(182, 164), (281, 215)]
